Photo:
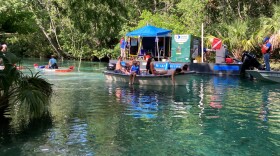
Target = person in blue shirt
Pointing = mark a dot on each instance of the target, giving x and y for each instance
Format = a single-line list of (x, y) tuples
[(123, 46), (53, 63), (266, 48), (134, 70)]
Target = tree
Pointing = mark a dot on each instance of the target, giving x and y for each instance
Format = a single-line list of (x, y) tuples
[(271, 27)]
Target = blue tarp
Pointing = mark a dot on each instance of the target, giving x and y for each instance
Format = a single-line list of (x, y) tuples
[(149, 31)]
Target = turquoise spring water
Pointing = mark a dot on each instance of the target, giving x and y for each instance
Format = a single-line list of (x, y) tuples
[(209, 116)]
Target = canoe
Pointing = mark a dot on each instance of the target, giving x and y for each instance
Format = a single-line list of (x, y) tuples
[(20, 67), (262, 75), (60, 70), (180, 79)]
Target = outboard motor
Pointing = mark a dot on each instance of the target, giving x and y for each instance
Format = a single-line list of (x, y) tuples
[(249, 61), (111, 66)]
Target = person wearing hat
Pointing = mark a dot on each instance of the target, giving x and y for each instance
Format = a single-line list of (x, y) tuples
[(266, 48)]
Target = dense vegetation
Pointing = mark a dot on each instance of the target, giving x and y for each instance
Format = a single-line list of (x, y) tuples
[(22, 97), (87, 28)]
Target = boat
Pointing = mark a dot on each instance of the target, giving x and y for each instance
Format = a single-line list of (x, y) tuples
[(144, 79), (59, 70), (17, 67), (262, 75), (20, 67)]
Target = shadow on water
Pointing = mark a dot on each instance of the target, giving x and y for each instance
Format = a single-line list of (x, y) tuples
[(24, 133)]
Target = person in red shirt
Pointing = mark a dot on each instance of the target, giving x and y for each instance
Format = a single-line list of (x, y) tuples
[(266, 48), (147, 56)]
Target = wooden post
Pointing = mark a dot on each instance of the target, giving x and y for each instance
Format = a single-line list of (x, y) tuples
[(202, 58)]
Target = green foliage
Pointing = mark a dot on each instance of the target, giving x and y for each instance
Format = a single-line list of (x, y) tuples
[(15, 18), (85, 28), (32, 96), (192, 14), (168, 22), (24, 97), (110, 53), (235, 35), (29, 45)]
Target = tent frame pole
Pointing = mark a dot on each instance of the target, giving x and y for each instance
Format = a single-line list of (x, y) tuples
[(157, 39), (164, 46)]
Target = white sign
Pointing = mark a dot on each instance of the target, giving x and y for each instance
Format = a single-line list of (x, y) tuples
[(181, 38)]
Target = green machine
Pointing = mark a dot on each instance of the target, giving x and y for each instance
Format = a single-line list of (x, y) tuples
[(185, 48)]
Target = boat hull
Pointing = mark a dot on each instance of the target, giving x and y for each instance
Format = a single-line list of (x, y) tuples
[(60, 70), (181, 79), (269, 76)]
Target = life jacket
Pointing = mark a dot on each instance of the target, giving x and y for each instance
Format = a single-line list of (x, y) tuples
[(264, 51)]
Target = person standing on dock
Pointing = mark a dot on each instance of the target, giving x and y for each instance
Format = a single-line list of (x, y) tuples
[(123, 46), (266, 49)]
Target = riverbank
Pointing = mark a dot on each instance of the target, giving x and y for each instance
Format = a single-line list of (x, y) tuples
[(275, 65)]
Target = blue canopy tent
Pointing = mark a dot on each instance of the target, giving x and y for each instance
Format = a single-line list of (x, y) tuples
[(150, 31)]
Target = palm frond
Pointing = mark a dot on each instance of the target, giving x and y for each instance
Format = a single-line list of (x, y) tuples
[(26, 96)]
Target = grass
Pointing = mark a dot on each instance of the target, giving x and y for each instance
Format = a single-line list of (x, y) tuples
[(275, 66)]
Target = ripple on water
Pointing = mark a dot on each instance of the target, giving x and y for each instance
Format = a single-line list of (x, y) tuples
[(209, 116)]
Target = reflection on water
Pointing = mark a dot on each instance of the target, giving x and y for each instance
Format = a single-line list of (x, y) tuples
[(264, 110), (140, 105), (209, 116)]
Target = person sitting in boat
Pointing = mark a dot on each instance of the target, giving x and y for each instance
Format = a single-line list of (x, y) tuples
[(134, 70), (53, 63), (179, 71), (151, 69), (119, 68), (129, 64), (147, 56)]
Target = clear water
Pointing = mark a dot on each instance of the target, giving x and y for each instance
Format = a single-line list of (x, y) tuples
[(209, 116)]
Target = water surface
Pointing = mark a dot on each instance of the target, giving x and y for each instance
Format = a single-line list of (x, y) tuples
[(208, 116)]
